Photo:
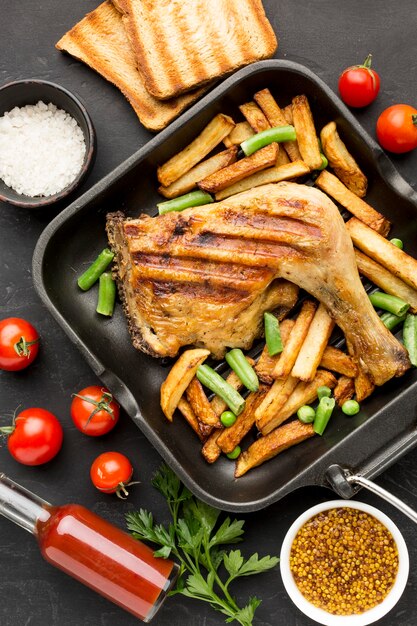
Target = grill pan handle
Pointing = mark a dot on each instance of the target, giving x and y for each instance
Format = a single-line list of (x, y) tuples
[(345, 484)]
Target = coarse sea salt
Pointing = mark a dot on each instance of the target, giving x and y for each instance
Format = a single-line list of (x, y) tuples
[(42, 149)]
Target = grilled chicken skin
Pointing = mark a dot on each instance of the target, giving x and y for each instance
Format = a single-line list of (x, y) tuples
[(206, 275)]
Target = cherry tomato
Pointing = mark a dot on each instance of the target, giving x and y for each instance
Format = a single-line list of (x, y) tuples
[(111, 473), (359, 85), (396, 128), (35, 437), (94, 411), (19, 344)]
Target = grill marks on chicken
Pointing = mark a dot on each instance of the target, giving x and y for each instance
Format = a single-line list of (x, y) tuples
[(205, 276)]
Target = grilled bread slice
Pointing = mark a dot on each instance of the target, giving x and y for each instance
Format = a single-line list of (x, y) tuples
[(182, 44), (100, 41)]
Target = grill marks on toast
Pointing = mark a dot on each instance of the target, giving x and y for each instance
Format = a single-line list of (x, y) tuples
[(181, 44), (100, 41)]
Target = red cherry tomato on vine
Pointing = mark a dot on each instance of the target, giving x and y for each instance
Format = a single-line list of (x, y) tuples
[(94, 411), (111, 473), (396, 128), (35, 437), (19, 344), (359, 84)]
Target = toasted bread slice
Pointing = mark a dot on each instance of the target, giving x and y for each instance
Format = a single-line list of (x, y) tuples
[(182, 44), (100, 41)]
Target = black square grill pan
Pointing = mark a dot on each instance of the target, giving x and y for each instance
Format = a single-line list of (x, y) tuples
[(367, 443)]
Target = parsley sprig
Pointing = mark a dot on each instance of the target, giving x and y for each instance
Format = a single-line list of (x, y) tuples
[(196, 538)]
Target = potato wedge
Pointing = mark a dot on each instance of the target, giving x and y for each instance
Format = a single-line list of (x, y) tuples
[(266, 363), (384, 279), (185, 408), (201, 405), (267, 447), (337, 361), (344, 390), (211, 450), (292, 347), (217, 404), (275, 117), (239, 133), (179, 377), (189, 181), (306, 133), (232, 436), (334, 188), (364, 386), (259, 160), (342, 161), (274, 400), (304, 393), (384, 252), (312, 350), (254, 116), (271, 175), (219, 127)]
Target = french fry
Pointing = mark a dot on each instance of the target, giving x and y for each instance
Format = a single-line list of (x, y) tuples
[(259, 160), (201, 405), (359, 208), (312, 350), (266, 363), (254, 116), (219, 127), (363, 385), (232, 436), (239, 133), (271, 175), (384, 279), (189, 181), (292, 347), (306, 133), (337, 361), (274, 400), (287, 113), (344, 390), (268, 447), (342, 161), (304, 393), (210, 449), (384, 252), (185, 408), (179, 377), (275, 117), (217, 404)]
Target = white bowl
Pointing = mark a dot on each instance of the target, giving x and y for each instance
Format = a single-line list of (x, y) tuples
[(321, 616)]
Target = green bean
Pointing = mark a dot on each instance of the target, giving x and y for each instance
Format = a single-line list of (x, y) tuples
[(228, 418), (391, 321), (271, 135), (351, 407), (106, 295), (93, 273), (397, 242), (323, 414), (194, 198), (306, 414), (324, 392), (213, 381), (234, 453), (410, 337), (237, 361), (389, 303), (324, 162), (272, 334)]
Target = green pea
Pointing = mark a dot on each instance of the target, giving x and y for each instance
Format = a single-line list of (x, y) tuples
[(324, 392), (234, 453), (228, 418), (397, 242), (351, 407), (306, 414)]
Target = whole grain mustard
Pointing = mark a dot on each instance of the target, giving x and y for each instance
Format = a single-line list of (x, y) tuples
[(344, 561)]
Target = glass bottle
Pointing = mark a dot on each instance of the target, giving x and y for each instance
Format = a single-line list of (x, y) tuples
[(93, 551)]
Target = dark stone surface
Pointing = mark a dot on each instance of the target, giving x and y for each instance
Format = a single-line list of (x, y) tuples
[(324, 35)]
